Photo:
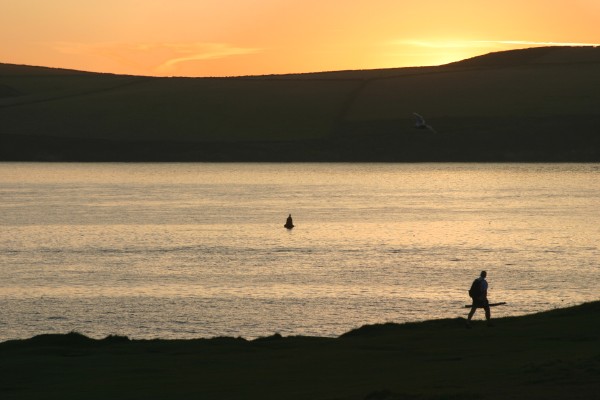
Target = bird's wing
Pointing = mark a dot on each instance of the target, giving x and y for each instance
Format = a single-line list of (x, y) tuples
[(420, 119)]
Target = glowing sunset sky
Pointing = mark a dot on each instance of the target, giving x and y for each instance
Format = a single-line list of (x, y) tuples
[(248, 37)]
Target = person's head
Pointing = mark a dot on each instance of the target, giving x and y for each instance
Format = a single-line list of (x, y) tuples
[(483, 274)]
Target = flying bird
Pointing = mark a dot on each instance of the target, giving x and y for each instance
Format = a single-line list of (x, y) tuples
[(421, 124)]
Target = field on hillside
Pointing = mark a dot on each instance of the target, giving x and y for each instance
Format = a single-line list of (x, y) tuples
[(184, 109), (547, 96)]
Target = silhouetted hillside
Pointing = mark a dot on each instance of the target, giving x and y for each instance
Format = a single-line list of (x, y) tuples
[(550, 356), (538, 55), (537, 104)]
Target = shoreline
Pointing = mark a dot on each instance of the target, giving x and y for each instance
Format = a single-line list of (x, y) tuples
[(87, 336), (374, 327)]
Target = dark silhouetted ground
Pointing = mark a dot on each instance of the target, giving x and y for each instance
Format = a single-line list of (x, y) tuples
[(551, 355)]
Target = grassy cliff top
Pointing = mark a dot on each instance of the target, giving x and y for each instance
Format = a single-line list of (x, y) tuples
[(550, 355)]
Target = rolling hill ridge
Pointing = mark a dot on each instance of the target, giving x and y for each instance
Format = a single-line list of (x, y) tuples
[(539, 104)]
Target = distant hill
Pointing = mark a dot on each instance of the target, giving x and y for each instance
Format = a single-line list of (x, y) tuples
[(539, 104)]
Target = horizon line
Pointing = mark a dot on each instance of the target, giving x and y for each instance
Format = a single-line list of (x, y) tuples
[(425, 44)]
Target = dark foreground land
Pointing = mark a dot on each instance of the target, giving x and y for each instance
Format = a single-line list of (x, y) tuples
[(551, 355), (537, 104)]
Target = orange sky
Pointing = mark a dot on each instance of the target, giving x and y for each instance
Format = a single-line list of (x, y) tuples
[(249, 37)]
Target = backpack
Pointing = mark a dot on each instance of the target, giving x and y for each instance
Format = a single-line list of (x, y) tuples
[(475, 290)]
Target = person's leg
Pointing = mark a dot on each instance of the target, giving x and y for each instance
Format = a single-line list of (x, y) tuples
[(472, 312), (488, 315)]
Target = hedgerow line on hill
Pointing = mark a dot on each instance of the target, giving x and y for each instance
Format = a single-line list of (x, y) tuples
[(25, 102)]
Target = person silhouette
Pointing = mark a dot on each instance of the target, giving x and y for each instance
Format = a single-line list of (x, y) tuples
[(289, 224), (478, 293)]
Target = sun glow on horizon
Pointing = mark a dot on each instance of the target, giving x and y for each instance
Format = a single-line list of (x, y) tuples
[(439, 52), (243, 37)]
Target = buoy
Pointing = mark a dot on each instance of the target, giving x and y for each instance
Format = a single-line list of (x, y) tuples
[(289, 224)]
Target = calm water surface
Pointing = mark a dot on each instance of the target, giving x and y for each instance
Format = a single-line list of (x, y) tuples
[(199, 250)]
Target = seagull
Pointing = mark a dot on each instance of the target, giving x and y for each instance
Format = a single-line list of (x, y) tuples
[(420, 123)]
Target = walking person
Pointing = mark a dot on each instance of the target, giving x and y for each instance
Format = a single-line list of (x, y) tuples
[(478, 293)]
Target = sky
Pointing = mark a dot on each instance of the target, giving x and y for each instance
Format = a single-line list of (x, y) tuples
[(257, 37)]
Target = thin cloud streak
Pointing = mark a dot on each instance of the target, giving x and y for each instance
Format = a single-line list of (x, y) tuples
[(437, 44), (526, 43), (204, 51), (159, 58)]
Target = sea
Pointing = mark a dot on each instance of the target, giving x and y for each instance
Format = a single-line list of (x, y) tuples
[(198, 250)]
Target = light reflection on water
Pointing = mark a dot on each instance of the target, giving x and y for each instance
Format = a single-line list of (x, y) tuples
[(199, 250)]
